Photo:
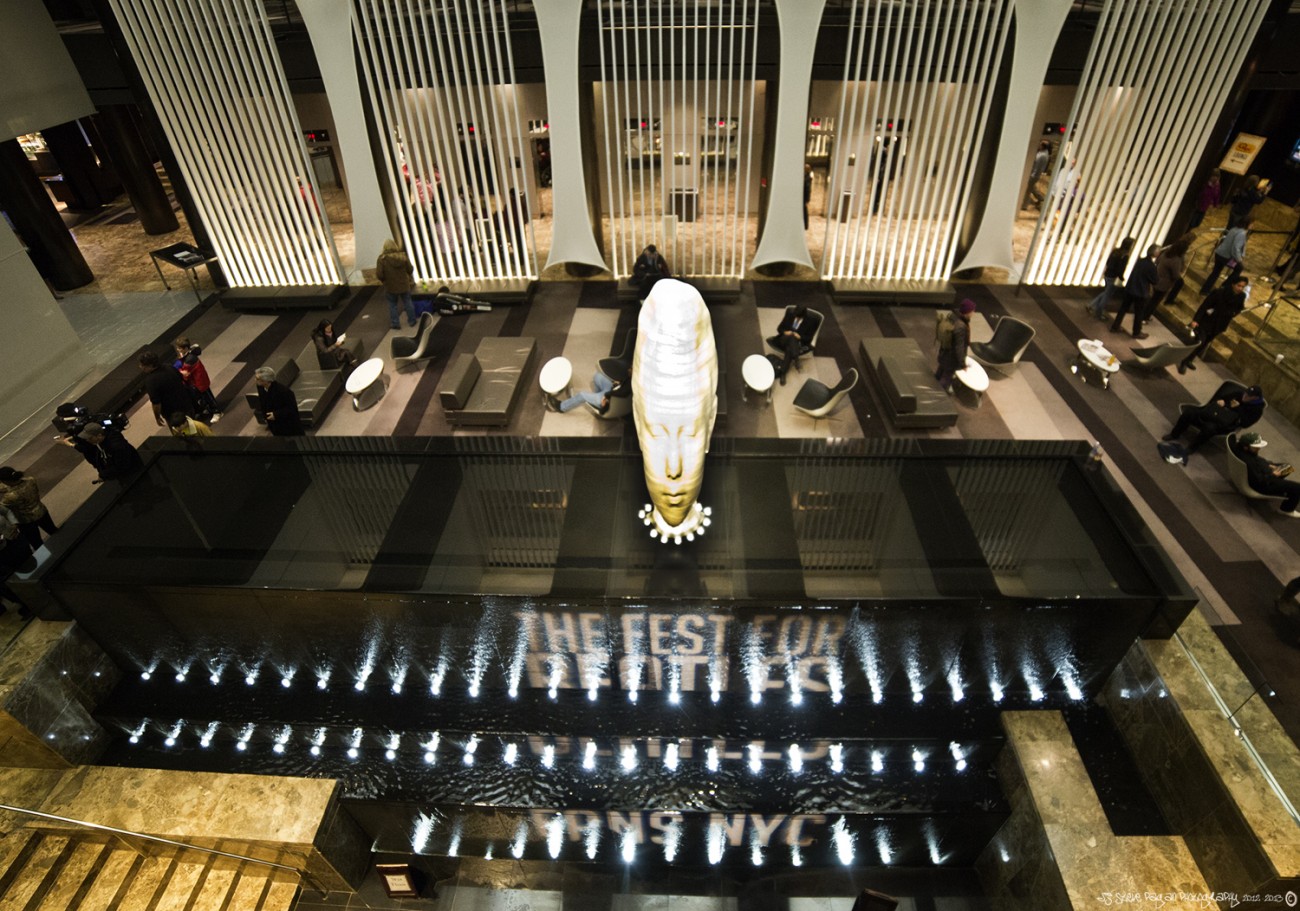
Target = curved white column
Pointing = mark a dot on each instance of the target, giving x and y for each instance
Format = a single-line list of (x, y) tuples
[(783, 238), (329, 26), (572, 239), (1038, 25)]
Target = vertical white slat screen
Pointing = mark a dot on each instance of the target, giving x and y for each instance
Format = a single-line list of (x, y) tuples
[(213, 73), (677, 107), (440, 79), (1157, 76), (914, 113)]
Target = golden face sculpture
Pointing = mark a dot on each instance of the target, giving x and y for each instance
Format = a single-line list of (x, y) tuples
[(674, 395)]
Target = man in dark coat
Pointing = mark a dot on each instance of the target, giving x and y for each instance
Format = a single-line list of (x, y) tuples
[(1212, 317), (795, 330), (165, 388), (1137, 292), (278, 403), (953, 351), (1267, 477), (1232, 412), (107, 451)]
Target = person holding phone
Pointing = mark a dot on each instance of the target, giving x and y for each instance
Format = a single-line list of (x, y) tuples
[(329, 347)]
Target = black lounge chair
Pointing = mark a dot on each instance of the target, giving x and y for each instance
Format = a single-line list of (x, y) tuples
[(1011, 337), (817, 400)]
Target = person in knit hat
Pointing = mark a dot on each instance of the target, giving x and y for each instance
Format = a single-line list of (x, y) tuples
[(954, 343)]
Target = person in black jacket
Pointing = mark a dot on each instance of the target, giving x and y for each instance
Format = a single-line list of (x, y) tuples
[(107, 451), (278, 403), (165, 387), (1213, 316), (1113, 275), (1267, 477), (649, 268), (1232, 412), (1137, 293)]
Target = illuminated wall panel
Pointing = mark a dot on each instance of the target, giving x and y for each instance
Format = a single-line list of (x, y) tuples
[(1157, 76), (440, 79), (907, 145), (213, 73), (678, 156)]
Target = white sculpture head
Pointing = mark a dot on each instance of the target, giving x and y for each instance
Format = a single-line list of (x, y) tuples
[(674, 395)]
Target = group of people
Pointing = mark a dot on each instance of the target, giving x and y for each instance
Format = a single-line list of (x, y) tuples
[(1157, 277)]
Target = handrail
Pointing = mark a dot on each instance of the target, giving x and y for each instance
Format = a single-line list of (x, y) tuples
[(166, 841)]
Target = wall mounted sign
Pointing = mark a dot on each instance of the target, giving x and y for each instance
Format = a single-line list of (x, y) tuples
[(1242, 152)]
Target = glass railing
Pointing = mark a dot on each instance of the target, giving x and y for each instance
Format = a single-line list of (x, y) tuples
[(1244, 695)]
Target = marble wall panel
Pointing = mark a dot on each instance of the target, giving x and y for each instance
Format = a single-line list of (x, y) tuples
[(1197, 769)]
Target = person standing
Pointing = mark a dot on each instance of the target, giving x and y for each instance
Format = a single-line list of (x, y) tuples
[(1113, 277), (1041, 159), (107, 451), (19, 493), (1243, 202), (1213, 316), (165, 388), (278, 404), (954, 345), (1230, 252), (1170, 266), (1137, 293), (1206, 200), (14, 552), (195, 377), (395, 272), (807, 191)]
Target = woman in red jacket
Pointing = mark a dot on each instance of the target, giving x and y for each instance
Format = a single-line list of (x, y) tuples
[(196, 379)]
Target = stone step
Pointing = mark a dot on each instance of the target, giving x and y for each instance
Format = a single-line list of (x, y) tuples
[(111, 880), (82, 863), (37, 872)]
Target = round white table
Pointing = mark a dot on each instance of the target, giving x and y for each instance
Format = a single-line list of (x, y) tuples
[(555, 376), (759, 375), (973, 377), (366, 383), (1094, 359)]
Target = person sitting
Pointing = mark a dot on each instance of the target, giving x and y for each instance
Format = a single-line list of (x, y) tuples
[(329, 345), (107, 451), (649, 268), (1267, 477), (278, 403), (1232, 412), (602, 389), (795, 330)]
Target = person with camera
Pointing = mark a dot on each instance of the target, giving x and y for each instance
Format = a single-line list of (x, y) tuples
[(107, 451)]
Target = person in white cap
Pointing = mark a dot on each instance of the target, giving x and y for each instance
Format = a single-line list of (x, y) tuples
[(1267, 477)]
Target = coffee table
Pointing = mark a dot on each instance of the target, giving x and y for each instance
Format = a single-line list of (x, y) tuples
[(1093, 359), (973, 377), (555, 376), (366, 383), (759, 375)]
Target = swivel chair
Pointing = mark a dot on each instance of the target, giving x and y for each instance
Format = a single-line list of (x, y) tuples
[(1011, 337), (407, 349), (817, 400)]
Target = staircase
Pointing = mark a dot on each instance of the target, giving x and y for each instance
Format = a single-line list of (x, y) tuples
[(46, 871)]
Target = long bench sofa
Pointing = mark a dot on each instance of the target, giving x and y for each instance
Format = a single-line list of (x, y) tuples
[(481, 389), (912, 396)]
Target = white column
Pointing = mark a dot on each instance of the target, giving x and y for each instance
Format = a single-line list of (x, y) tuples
[(572, 239), (329, 25), (783, 234), (43, 356), (1038, 25)]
